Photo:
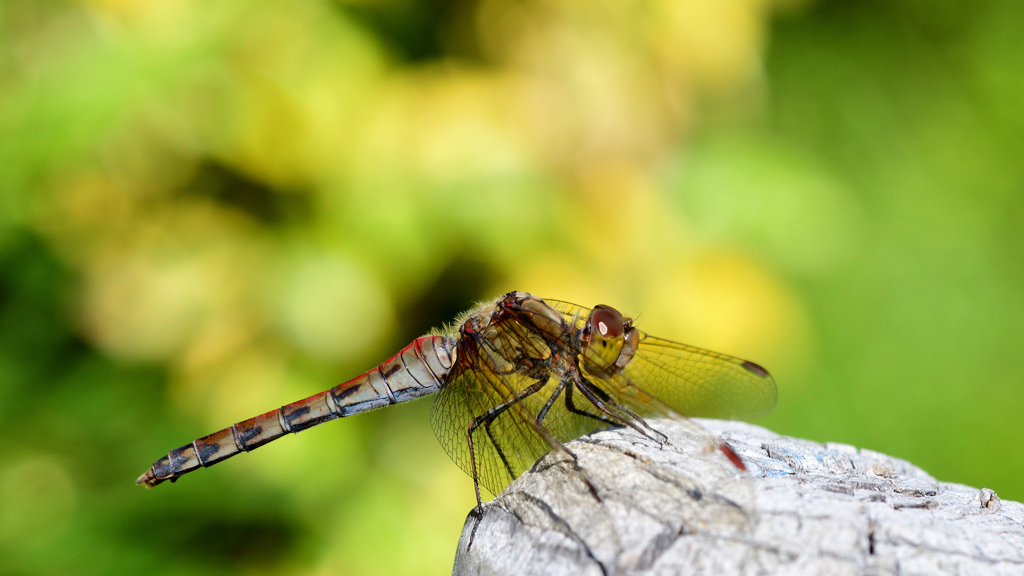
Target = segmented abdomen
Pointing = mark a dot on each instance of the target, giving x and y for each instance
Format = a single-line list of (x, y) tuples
[(419, 369)]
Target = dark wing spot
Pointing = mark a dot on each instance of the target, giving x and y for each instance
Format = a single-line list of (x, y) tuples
[(756, 369)]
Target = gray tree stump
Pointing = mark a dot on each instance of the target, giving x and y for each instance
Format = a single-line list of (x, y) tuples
[(632, 506)]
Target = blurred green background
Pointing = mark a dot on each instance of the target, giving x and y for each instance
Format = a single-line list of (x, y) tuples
[(209, 209)]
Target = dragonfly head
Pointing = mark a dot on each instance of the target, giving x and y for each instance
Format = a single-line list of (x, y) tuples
[(609, 341)]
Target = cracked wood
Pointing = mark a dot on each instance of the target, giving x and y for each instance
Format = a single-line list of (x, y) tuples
[(634, 507)]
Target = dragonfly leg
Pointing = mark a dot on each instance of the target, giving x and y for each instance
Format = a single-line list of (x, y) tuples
[(564, 384), (547, 405), (488, 418), (591, 393), (650, 432), (568, 404), (494, 413), (571, 407), (497, 448)]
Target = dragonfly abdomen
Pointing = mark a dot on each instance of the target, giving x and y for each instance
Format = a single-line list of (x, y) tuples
[(417, 370)]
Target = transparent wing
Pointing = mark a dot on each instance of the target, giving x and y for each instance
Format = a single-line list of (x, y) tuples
[(574, 313), (485, 415), (502, 449), (700, 383), (520, 428), (504, 422), (691, 381)]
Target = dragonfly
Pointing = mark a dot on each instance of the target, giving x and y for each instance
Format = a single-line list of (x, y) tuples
[(516, 378)]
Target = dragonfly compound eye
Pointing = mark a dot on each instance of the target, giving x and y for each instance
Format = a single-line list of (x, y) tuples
[(605, 340), (607, 322)]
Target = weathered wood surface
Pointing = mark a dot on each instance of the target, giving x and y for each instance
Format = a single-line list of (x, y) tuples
[(634, 507)]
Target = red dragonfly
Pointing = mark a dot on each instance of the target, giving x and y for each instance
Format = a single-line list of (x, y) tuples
[(515, 379)]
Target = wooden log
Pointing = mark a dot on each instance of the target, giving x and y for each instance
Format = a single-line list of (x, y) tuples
[(630, 505)]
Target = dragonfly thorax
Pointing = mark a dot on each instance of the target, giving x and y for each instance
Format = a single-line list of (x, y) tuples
[(523, 334)]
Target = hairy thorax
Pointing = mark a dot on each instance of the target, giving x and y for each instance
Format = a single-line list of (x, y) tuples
[(520, 334)]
